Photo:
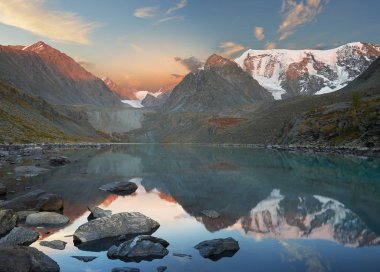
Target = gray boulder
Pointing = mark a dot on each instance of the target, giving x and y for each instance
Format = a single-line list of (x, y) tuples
[(97, 212), (55, 244), (25, 259), (218, 248), (115, 226), (19, 237), (22, 215), (3, 189), (8, 220), (37, 200), (142, 247), (46, 218), (85, 259), (119, 187), (59, 161)]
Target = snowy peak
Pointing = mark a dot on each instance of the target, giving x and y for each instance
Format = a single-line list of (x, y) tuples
[(300, 72), (216, 61)]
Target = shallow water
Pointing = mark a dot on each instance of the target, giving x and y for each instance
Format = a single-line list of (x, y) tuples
[(289, 212)]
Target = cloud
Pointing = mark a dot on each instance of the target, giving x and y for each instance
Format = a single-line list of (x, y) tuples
[(259, 33), (179, 5), (270, 45), (171, 18), (297, 14), (136, 47), (230, 48), (145, 12), (56, 25), (319, 46), (176, 76), (192, 64), (87, 65)]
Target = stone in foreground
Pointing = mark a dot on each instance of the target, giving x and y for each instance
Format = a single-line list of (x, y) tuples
[(25, 259), (22, 215), (37, 200), (142, 247), (8, 220), (218, 248), (97, 212), (125, 269), (211, 214), (59, 161), (114, 226), (55, 244), (85, 259), (19, 237), (46, 218), (120, 187)]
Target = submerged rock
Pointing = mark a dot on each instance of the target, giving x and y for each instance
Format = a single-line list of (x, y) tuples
[(142, 247), (115, 226), (125, 269), (8, 220), (37, 200), (119, 187), (97, 212), (46, 218), (85, 259), (211, 213), (25, 259), (59, 161), (218, 248), (19, 236), (29, 170), (182, 255), (3, 189), (55, 244)]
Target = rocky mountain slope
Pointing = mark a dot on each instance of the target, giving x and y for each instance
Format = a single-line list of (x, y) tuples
[(124, 92), (45, 72), (288, 73), (220, 85)]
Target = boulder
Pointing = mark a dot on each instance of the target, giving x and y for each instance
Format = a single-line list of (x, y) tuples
[(19, 237), (8, 220), (218, 248), (119, 187), (59, 161), (115, 226), (29, 170), (85, 259), (125, 269), (22, 215), (3, 189), (211, 214), (142, 247), (46, 218), (37, 200), (25, 259), (55, 244), (97, 212)]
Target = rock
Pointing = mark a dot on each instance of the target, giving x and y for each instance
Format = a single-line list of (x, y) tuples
[(161, 268), (142, 247), (218, 248), (115, 226), (19, 236), (211, 213), (8, 220), (125, 269), (37, 200), (120, 187), (85, 259), (22, 215), (25, 259), (55, 244), (3, 189), (97, 212), (59, 161), (29, 170), (182, 255), (46, 218)]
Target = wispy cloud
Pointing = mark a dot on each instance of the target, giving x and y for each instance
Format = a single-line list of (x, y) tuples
[(179, 5), (176, 76), (171, 18), (57, 25), (192, 64), (136, 47), (146, 12), (270, 45), (296, 14), (259, 33), (230, 48)]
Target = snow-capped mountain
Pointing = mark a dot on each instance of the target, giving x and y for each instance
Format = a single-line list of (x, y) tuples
[(124, 92), (308, 217), (289, 73)]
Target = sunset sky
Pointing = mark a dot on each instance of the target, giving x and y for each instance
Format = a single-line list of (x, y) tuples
[(150, 43)]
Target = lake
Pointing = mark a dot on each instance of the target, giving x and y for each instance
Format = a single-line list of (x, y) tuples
[(289, 212)]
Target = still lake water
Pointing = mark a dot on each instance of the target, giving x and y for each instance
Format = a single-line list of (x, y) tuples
[(289, 212)]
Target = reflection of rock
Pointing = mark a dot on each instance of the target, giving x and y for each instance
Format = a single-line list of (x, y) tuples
[(114, 226), (59, 161), (119, 187), (312, 217), (211, 214), (8, 220), (22, 215), (218, 248), (142, 247), (97, 212), (46, 218), (29, 170), (3, 189), (125, 269), (85, 259), (23, 259), (38, 200), (55, 244), (19, 236)]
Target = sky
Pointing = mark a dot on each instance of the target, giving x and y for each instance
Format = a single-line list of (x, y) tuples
[(151, 43)]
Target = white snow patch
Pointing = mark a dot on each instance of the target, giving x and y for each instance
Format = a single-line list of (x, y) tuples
[(133, 103)]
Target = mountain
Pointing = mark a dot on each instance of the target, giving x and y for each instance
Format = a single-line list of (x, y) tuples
[(287, 73), (222, 84), (124, 92), (45, 72)]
